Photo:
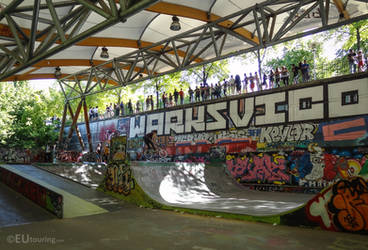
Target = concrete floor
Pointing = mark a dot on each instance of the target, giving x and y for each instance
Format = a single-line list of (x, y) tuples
[(125, 226), (15, 209), (140, 228)]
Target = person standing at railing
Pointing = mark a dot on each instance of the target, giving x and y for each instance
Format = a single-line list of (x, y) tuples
[(295, 71), (360, 59), (231, 83), (277, 77), (245, 83), (285, 75), (176, 97), (121, 108), (271, 78), (138, 106), (352, 61), (181, 96), (225, 87), (197, 94), (251, 82), (130, 107), (164, 99), (151, 102), (305, 71), (238, 84), (191, 94)]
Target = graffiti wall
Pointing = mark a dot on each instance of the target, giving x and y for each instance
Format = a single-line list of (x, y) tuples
[(305, 136), (40, 195)]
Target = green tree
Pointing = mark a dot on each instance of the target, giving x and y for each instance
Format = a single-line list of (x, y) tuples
[(215, 71), (23, 117)]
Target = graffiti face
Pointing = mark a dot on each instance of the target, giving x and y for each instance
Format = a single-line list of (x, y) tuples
[(316, 158)]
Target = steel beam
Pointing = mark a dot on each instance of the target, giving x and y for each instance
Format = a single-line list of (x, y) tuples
[(110, 20)]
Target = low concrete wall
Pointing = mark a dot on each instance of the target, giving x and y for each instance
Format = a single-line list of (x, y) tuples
[(42, 196)]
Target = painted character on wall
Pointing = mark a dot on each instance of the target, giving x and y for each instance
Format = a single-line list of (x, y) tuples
[(316, 158)]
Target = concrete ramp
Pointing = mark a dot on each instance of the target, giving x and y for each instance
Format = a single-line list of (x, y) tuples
[(208, 187), (73, 206)]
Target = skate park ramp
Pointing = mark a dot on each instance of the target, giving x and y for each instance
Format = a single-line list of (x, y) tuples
[(209, 187), (74, 204)]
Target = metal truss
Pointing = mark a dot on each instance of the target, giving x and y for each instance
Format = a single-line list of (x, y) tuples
[(210, 41), (23, 49)]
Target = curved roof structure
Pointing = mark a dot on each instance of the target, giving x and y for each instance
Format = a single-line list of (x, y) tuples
[(36, 36)]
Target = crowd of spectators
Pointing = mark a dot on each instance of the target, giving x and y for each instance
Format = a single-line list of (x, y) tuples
[(251, 82)]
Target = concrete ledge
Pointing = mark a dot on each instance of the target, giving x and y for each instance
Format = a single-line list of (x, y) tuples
[(42, 196)]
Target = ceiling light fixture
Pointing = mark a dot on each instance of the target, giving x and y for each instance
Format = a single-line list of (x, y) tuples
[(57, 72), (104, 53), (175, 25)]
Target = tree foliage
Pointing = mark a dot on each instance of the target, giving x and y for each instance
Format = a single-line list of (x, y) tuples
[(23, 117), (206, 73)]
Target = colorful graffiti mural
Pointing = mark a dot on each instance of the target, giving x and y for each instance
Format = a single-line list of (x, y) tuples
[(260, 168), (312, 147), (312, 168), (119, 177), (69, 156), (15, 155), (342, 207), (49, 200)]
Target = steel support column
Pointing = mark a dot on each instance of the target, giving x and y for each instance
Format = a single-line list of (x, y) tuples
[(61, 133), (86, 121), (74, 124)]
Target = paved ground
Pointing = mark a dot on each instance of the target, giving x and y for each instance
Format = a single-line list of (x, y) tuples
[(194, 185), (129, 227), (139, 228), (15, 209), (75, 189)]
